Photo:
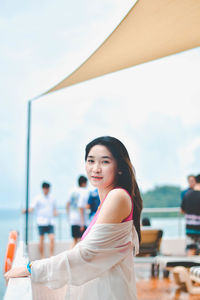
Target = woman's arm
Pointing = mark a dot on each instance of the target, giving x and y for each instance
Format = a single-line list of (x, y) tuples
[(105, 245)]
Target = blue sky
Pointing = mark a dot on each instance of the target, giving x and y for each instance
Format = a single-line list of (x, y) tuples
[(152, 108)]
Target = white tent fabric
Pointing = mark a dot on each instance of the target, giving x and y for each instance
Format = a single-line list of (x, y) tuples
[(152, 29)]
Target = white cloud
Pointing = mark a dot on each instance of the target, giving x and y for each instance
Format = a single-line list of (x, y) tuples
[(187, 156)]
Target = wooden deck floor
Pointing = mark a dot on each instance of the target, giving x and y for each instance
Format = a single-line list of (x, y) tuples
[(158, 288)]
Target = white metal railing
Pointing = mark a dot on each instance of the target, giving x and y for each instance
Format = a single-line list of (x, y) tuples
[(161, 209), (177, 224), (63, 229)]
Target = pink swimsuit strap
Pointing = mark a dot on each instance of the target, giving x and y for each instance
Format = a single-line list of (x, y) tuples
[(129, 218)]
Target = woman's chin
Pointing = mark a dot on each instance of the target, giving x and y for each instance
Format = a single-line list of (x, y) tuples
[(96, 183)]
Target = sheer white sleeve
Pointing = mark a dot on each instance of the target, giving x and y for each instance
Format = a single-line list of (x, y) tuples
[(105, 246)]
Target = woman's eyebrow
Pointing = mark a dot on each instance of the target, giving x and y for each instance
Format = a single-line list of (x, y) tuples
[(108, 157)]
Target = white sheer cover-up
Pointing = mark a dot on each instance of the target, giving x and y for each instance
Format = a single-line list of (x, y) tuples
[(100, 267)]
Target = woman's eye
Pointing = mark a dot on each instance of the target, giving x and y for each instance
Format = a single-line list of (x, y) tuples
[(105, 162), (90, 160)]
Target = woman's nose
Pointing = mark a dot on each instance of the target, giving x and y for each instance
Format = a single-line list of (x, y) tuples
[(97, 167)]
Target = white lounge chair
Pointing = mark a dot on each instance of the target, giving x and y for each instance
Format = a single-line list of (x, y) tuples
[(187, 277)]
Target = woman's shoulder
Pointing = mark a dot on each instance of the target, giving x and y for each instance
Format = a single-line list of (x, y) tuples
[(116, 207), (120, 193), (119, 196)]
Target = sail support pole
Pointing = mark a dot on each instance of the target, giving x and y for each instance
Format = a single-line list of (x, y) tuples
[(28, 168)]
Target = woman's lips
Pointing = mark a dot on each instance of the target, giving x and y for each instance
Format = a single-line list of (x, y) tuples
[(96, 177)]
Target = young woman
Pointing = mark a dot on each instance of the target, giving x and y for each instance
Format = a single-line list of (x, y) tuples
[(101, 265)]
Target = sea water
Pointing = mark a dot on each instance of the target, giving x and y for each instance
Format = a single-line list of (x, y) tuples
[(14, 220)]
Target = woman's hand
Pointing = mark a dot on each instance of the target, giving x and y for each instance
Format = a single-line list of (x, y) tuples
[(17, 272)]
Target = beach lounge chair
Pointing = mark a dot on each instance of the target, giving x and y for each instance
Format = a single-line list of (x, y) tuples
[(195, 274), (168, 263), (150, 246), (174, 261), (186, 278), (150, 242)]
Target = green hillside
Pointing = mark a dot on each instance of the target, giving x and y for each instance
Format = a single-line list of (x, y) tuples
[(162, 196)]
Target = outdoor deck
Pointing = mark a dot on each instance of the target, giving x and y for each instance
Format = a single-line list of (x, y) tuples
[(158, 288)]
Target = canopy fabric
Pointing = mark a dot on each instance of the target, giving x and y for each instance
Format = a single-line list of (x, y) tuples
[(152, 29)]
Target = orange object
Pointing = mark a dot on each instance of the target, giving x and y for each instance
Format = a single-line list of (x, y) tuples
[(10, 252)]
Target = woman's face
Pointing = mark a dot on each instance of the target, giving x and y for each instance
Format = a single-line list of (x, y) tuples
[(101, 167)]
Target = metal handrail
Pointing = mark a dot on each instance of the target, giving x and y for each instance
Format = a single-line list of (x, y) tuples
[(63, 226), (161, 209)]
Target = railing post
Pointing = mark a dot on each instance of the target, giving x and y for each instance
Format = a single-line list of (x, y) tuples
[(27, 170), (179, 225), (60, 226)]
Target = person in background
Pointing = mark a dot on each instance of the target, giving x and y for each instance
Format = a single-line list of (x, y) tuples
[(146, 222), (191, 183), (76, 209), (93, 203), (190, 206), (44, 205)]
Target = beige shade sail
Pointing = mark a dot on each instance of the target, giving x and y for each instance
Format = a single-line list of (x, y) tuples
[(152, 29)]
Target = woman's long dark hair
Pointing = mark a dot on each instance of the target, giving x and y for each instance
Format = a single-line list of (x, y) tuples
[(126, 179)]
